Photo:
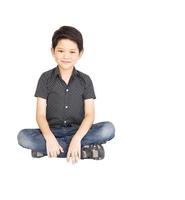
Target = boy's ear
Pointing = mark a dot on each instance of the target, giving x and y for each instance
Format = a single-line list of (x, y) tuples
[(52, 51), (81, 53)]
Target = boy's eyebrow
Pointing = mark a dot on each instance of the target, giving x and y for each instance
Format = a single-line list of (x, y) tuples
[(63, 49)]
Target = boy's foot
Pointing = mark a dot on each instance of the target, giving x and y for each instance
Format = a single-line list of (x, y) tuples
[(36, 154), (93, 151)]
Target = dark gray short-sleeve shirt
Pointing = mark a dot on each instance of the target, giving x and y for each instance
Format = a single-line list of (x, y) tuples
[(65, 103)]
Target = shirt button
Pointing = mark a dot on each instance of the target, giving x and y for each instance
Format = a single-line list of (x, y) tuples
[(66, 107), (65, 122), (67, 90)]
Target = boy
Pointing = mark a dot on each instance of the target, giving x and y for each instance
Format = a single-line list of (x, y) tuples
[(65, 107)]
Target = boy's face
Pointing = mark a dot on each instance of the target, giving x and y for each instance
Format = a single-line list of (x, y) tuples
[(66, 53)]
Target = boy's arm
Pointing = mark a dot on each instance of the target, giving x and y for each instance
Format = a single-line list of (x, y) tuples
[(74, 149), (88, 119), (41, 118), (52, 146)]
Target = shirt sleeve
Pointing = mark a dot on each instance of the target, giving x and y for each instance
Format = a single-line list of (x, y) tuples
[(89, 90), (41, 90)]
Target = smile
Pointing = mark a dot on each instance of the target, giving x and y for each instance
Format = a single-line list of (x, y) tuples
[(65, 61)]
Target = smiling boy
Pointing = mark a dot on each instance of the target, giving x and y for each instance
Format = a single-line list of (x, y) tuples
[(65, 108)]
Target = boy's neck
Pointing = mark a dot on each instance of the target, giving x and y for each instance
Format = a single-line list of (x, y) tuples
[(66, 72)]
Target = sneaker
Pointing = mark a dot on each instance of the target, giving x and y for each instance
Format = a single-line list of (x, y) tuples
[(36, 154), (93, 151)]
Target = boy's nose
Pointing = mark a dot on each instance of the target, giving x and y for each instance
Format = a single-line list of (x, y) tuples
[(66, 55)]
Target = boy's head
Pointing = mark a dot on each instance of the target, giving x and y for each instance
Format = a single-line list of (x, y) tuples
[(67, 46), (68, 32)]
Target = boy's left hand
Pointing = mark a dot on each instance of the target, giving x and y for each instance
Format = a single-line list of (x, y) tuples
[(74, 150)]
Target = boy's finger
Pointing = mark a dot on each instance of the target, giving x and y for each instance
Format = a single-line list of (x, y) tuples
[(49, 154), (58, 152), (55, 154), (61, 149), (68, 156), (79, 153), (74, 159)]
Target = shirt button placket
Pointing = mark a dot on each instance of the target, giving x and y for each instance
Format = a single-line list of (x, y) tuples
[(66, 106)]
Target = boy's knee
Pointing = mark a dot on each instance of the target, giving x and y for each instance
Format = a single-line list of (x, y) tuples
[(23, 139), (108, 130)]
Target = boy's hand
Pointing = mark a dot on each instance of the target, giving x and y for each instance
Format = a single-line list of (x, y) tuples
[(53, 147), (74, 150)]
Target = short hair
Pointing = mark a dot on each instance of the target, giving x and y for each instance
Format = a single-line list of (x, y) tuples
[(68, 32)]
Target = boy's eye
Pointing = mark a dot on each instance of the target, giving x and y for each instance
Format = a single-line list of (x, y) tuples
[(70, 51)]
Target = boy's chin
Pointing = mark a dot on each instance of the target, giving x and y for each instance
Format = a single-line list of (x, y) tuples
[(66, 67)]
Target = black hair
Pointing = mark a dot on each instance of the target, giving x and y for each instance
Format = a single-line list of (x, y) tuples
[(68, 32)]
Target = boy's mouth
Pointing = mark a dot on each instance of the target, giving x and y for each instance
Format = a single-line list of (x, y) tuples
[(64, 61)]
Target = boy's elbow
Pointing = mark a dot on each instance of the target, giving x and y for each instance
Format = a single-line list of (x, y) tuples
[(91, 117), (39, 118)]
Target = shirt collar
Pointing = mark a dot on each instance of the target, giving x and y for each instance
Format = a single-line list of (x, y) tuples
[(57, 72)]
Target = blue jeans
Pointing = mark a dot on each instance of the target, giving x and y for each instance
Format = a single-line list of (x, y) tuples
[(33, 139)]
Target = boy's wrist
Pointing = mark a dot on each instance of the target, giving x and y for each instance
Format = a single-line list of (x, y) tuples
[(77, 137), (48, 136)]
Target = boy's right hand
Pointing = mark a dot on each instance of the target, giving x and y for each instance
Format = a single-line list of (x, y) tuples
[(52, 146)]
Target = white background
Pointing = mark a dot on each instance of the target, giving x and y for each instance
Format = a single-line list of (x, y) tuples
[(134, 53)]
